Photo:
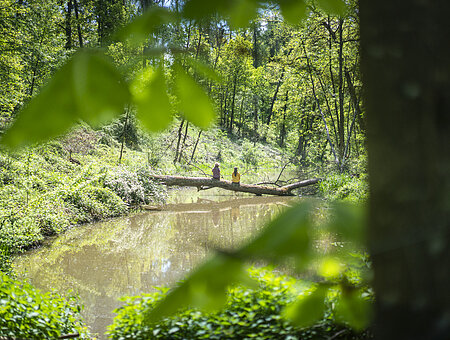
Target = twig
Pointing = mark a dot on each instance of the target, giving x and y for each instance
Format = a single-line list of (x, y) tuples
[(69, 336), (337, 334), (273, 183), (284, 167)]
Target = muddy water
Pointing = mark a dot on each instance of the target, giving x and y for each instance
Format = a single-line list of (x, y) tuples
[(127, 256)]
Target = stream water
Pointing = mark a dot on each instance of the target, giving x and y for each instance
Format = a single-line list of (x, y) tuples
[(130, 255)]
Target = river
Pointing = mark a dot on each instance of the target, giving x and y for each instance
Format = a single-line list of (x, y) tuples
[(100, 262)]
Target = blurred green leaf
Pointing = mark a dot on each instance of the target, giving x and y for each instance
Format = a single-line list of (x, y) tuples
[(350, 221), (242, 12), (353, 309), (336, 7), (330, 267), (293, 10), (204, 69), (205, 288), (286, 236), (199, 9), (141, 28), (87, 87), (307, 309), (194, 104), (150, 96)]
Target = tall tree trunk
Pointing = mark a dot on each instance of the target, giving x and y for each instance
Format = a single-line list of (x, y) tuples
[(124, 134), (283, 123), (184, 141), (354, 98), (68, 23), (341, 132), (230, 127), (407, 96), (336, 159), (180, 129), (195, 146), (274, 97), (80, 36)]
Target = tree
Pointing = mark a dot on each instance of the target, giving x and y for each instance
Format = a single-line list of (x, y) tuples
[(407, 78)]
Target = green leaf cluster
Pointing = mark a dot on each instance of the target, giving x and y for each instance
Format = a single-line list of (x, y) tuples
[(26, 313), (248, 313)]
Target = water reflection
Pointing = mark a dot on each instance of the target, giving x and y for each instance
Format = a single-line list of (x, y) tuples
[(127, 256)]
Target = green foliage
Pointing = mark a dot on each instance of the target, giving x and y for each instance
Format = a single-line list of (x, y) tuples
[(248, 313), (26, 313), (352, 188)]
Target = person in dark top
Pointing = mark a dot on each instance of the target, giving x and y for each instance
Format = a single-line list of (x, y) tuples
[(216, 171)]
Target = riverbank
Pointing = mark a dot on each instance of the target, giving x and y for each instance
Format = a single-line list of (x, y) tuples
[(88, 176)]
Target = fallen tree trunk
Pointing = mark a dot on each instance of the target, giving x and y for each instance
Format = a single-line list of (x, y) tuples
[(202, 182)]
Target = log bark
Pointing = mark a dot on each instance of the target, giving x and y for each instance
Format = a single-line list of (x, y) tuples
[(202, 182)]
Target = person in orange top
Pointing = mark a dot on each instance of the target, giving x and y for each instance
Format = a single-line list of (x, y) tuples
[(236, 177)]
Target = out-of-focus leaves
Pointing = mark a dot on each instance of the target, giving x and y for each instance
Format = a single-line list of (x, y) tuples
[(88, 87), (194, 103), (144, 25), (206, 288), (337, 7), (287, 235), (293, 10), (354, 309), (330, 268), (203, 69), (151, 99), (198, 9), (308, 308), (242, 13), (349, 221)]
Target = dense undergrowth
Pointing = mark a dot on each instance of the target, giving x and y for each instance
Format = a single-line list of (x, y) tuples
[(249, 313)]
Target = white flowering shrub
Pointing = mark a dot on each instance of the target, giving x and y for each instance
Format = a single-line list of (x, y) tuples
[(134, 187)]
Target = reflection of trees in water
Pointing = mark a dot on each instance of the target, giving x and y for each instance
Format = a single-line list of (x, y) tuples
[(128, 256)]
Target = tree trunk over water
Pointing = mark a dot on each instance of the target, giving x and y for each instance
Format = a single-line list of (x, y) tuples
[(205, 182)]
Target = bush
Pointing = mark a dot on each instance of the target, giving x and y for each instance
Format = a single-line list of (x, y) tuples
[(344, 187), (94, 203), (134, 187), (249, 313), (25, 313)]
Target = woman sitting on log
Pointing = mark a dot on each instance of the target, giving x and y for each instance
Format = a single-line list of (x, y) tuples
[(236, 177), (216, 171)]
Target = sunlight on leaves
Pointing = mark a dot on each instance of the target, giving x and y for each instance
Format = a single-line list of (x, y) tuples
[(195, 105), (308, 308), (87, 87), (205, 288), (150, 96), (330, 268)]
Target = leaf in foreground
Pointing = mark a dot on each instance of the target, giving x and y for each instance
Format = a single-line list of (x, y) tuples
[(87, 87), (194, 104), (150, 96), (206, 288), (308, 308)]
